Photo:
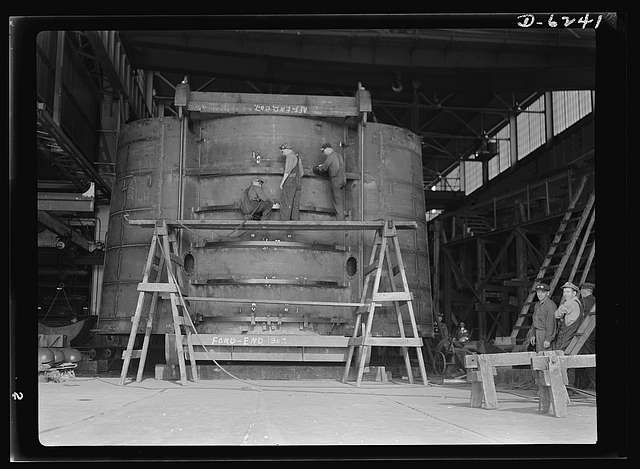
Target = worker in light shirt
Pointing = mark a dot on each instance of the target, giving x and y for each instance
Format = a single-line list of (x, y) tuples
[(569, 314)]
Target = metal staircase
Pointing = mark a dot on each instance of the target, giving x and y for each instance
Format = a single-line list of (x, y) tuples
[(474, 224)]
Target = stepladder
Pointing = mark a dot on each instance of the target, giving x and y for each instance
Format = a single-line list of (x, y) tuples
[(381, 263), (164, 244)]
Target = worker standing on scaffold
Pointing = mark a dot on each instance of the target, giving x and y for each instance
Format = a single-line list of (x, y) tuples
[(291, 184), (334, 168)]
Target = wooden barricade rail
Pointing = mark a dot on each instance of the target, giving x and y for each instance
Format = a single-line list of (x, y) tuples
[(551, 376)]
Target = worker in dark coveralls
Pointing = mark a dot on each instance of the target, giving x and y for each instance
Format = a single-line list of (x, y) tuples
[(543, 322), (291, 184), (587, 297), (255, 203), (333, 166), (442, 334)]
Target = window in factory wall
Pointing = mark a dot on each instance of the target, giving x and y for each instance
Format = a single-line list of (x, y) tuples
[(472, 176), (530, 126), (450, 181), (494, 166), (504, 147), (502, 160), (569, 107), (433, 213)]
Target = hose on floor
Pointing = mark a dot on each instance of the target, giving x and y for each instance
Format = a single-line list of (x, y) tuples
[(169, 270)]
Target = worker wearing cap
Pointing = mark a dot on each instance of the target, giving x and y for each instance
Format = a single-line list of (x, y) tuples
[(333, 166), (442, 334), (291, 184), (255, 203), (586, 295), (543, 321), (569, 313)]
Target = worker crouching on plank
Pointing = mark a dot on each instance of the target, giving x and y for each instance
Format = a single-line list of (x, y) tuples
[(291, 184), (543, 323), (334, 168), (255, 204)]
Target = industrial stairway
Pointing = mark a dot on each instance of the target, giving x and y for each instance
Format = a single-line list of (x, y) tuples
[(474, 224), (553, 270)]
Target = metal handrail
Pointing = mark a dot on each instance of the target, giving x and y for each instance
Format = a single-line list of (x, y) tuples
[(493, 205)]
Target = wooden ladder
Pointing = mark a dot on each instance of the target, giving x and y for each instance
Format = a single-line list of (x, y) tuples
[(565, 236), (588, 243), (167, 244), (586, 328), (379, 254)]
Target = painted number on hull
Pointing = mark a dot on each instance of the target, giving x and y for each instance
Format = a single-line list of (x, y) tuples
[(287, 109), (223, 340)]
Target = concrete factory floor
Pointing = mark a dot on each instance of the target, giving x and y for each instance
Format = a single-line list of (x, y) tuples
[(98, 411)]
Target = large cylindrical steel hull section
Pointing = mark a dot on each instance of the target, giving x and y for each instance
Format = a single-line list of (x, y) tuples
[(393, 190), (284, 265), (221, 158), (146, 187)]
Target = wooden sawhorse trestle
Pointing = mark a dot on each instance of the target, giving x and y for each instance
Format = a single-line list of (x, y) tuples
[(167, 244), (362, 338), (551, 376)]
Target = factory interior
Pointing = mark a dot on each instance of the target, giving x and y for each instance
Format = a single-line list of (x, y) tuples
[(317, 236)]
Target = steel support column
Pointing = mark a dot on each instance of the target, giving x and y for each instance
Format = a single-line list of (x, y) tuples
[(513, 140), (436, 266), (148, 91), (481, 272), (57, 81), (521, 266), (102, 215), (548, 115)]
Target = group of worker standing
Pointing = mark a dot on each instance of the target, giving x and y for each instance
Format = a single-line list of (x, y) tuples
[(553, 326), (257, 205)]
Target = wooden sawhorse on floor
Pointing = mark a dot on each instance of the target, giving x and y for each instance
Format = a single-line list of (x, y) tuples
[(380, 254), (165, 242), (551, 376)]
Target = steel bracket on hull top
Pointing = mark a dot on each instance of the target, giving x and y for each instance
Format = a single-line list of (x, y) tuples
[(200, 104)]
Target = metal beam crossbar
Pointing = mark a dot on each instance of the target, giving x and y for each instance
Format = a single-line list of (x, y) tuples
[(60, 228), (302, 225), (252, 103), (275, 302)]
